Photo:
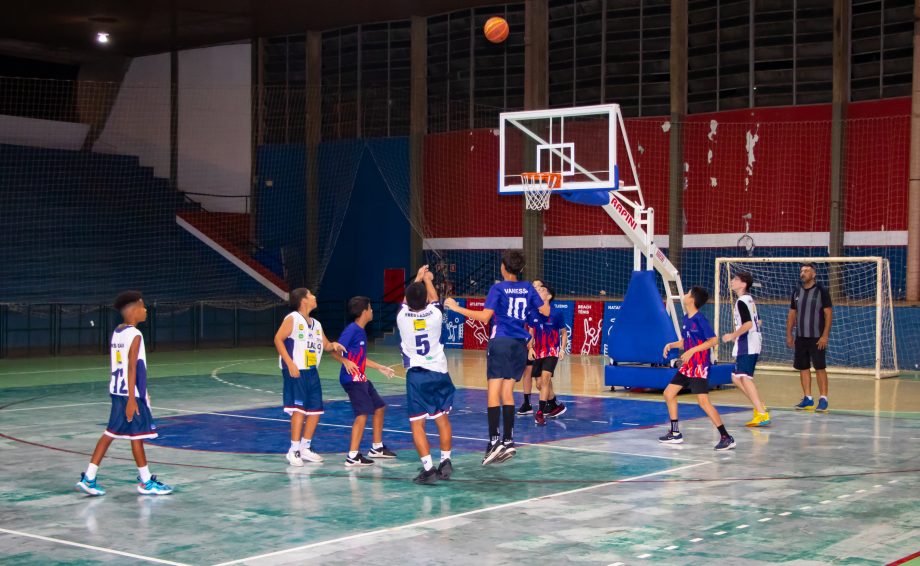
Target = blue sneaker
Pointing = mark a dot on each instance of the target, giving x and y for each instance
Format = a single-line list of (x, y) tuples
[(89, 487), (822, 405), (153, 487), (805, 404), (725, 443)]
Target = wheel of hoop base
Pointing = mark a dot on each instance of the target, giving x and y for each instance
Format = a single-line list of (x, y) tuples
[(538, 187)]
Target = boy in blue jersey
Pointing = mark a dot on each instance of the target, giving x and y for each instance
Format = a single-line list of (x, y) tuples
[(547, 349), (698, 339), (527, 379), (130, 417), (300, 343), (365, 401), (511, 302)]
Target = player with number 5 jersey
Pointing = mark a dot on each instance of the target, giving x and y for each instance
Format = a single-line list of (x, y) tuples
[(511, 302)]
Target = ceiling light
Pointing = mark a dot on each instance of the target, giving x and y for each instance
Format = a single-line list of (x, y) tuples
[(102, 37)]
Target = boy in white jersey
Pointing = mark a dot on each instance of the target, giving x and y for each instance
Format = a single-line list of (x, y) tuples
[(511, 302), (748, 341), (130, 416), (429, 389), (300, 343)]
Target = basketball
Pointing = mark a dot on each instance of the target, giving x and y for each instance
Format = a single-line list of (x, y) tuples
[(496, 29)]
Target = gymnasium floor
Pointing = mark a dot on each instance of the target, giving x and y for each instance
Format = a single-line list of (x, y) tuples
[(594, 487)]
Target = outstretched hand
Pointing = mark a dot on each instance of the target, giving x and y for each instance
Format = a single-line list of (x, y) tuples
[(387, 371), (450, 304)]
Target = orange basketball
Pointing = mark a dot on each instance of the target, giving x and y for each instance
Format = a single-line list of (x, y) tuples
[(496, 29)]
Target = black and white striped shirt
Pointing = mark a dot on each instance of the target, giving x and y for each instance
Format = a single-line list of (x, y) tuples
[(809, 305)]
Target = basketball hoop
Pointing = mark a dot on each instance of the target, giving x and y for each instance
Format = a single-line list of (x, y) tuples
[(538, 187)]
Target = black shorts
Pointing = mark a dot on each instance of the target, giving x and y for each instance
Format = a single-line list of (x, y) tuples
[(507, 358), (807, 354), (544, 364), (697, 385)]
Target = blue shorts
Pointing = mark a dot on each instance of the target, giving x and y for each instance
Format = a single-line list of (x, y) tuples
[(302, 394), (141, 426), (507, 358), (364, 398), (429, 394), (744, 365)]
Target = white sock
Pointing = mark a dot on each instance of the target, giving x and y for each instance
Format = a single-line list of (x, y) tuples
[(445, 455), (809, 397), (144, 473), (377, 445), (295, 446), (91, 471), (426, 461), (824, 397), (353, 454), (305, 443)]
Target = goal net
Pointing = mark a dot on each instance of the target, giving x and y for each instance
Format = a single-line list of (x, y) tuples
[(862, 337)]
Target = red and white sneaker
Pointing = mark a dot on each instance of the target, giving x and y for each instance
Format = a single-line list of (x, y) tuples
[(557, 411), (539, 418)]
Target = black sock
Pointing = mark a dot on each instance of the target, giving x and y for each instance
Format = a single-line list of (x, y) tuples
[(674, 428), (542, 406), (722, 431), (508, 414), (527, 398), (494, 418)]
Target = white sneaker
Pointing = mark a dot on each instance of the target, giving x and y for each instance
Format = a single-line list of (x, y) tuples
[(293, 458), (310, 456)]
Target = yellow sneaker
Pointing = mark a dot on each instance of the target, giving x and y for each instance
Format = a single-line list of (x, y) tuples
[(760, 419)]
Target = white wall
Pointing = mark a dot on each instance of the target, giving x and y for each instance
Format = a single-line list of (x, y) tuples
[(17, 130), (138, 123), (214, 124), (214, 121)]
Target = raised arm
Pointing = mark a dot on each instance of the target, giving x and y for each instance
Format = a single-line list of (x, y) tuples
[(485, 315)]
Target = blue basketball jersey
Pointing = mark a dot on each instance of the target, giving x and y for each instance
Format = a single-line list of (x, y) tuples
[(354, 339), (514, 303)]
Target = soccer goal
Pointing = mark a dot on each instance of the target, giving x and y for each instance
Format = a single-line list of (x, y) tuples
[(862, 337)]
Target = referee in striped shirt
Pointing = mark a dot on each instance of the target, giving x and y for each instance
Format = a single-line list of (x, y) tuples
[(808, 326)]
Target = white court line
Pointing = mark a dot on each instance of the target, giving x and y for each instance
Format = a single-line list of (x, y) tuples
[(646, 555), (697, 539), (45, 407), (457, 516), (91, 547), (764, 520), (434, 434), (159, 365), (785, 513), (672, 547)]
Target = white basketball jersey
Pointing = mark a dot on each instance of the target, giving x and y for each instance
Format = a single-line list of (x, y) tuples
[(305, 343), (750, 342), (120, 345), (420, 338)]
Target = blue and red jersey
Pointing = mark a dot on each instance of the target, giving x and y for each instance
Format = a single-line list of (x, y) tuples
[(514, 303), (696, 330), (547, 331), (354, 339)]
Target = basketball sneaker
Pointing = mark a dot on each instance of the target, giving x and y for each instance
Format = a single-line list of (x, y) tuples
[(508, 452), (153, 487), (446, 469), (382, 452), (822, 405), (557, 411), (358, 461), (493, 451), (89, 486), (539, 418), (294, 459), (671, 438), (725, 443), (805, 404), (427, 477), (760, 419), (526, 409), (309, 455)]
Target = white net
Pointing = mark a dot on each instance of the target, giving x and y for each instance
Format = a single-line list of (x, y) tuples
[(862, 337), (538, 187)]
